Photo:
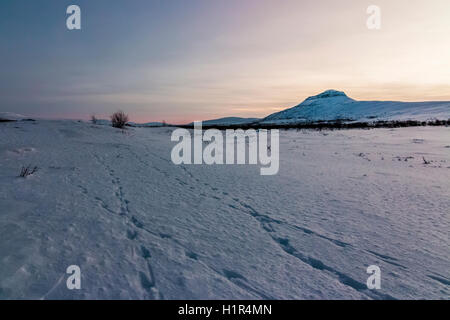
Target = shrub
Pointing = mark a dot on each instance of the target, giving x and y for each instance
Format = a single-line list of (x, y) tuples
[(94, 119), (119, 119), (27, 171)]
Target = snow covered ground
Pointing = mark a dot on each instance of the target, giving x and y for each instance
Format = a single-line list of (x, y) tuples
[(139, 227)]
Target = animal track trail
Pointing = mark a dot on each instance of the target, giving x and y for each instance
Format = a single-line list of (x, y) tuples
[(321, 266), (147, 279), (239, 281), (117, 188), (85, 192), (124, 209), (266, 224), (242, 282)]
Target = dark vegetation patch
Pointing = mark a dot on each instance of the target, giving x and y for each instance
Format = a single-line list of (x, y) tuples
[(329, 125)]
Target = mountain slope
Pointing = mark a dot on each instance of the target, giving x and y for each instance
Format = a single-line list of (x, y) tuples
[(336, 105), (228, 121)]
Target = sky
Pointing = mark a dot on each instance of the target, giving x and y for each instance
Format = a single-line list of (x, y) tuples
[(186, 60)]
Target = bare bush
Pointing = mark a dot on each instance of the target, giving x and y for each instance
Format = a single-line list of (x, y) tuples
[(27, 171), (94, 119), (119, 119)]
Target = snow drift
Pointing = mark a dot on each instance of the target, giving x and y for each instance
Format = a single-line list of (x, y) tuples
[(10, 116)]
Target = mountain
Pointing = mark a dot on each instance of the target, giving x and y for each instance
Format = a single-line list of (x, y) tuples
[(229, 121), (336, 105)]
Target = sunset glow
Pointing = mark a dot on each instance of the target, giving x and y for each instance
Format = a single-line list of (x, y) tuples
[(181, 61)]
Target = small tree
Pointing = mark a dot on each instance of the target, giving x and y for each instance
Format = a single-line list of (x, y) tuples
[(93, 119), (119, 119)]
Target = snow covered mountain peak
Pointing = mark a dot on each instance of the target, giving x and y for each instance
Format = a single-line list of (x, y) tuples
[(333, 105), (315, 107), (328, 94), (327, 97)]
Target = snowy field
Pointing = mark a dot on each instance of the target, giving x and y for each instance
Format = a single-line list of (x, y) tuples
[(140, 227)]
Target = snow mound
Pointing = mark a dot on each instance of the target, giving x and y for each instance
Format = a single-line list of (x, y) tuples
[(10, 116), (21, 151)]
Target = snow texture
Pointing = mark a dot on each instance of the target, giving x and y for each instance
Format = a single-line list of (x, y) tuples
[(139, 227)]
